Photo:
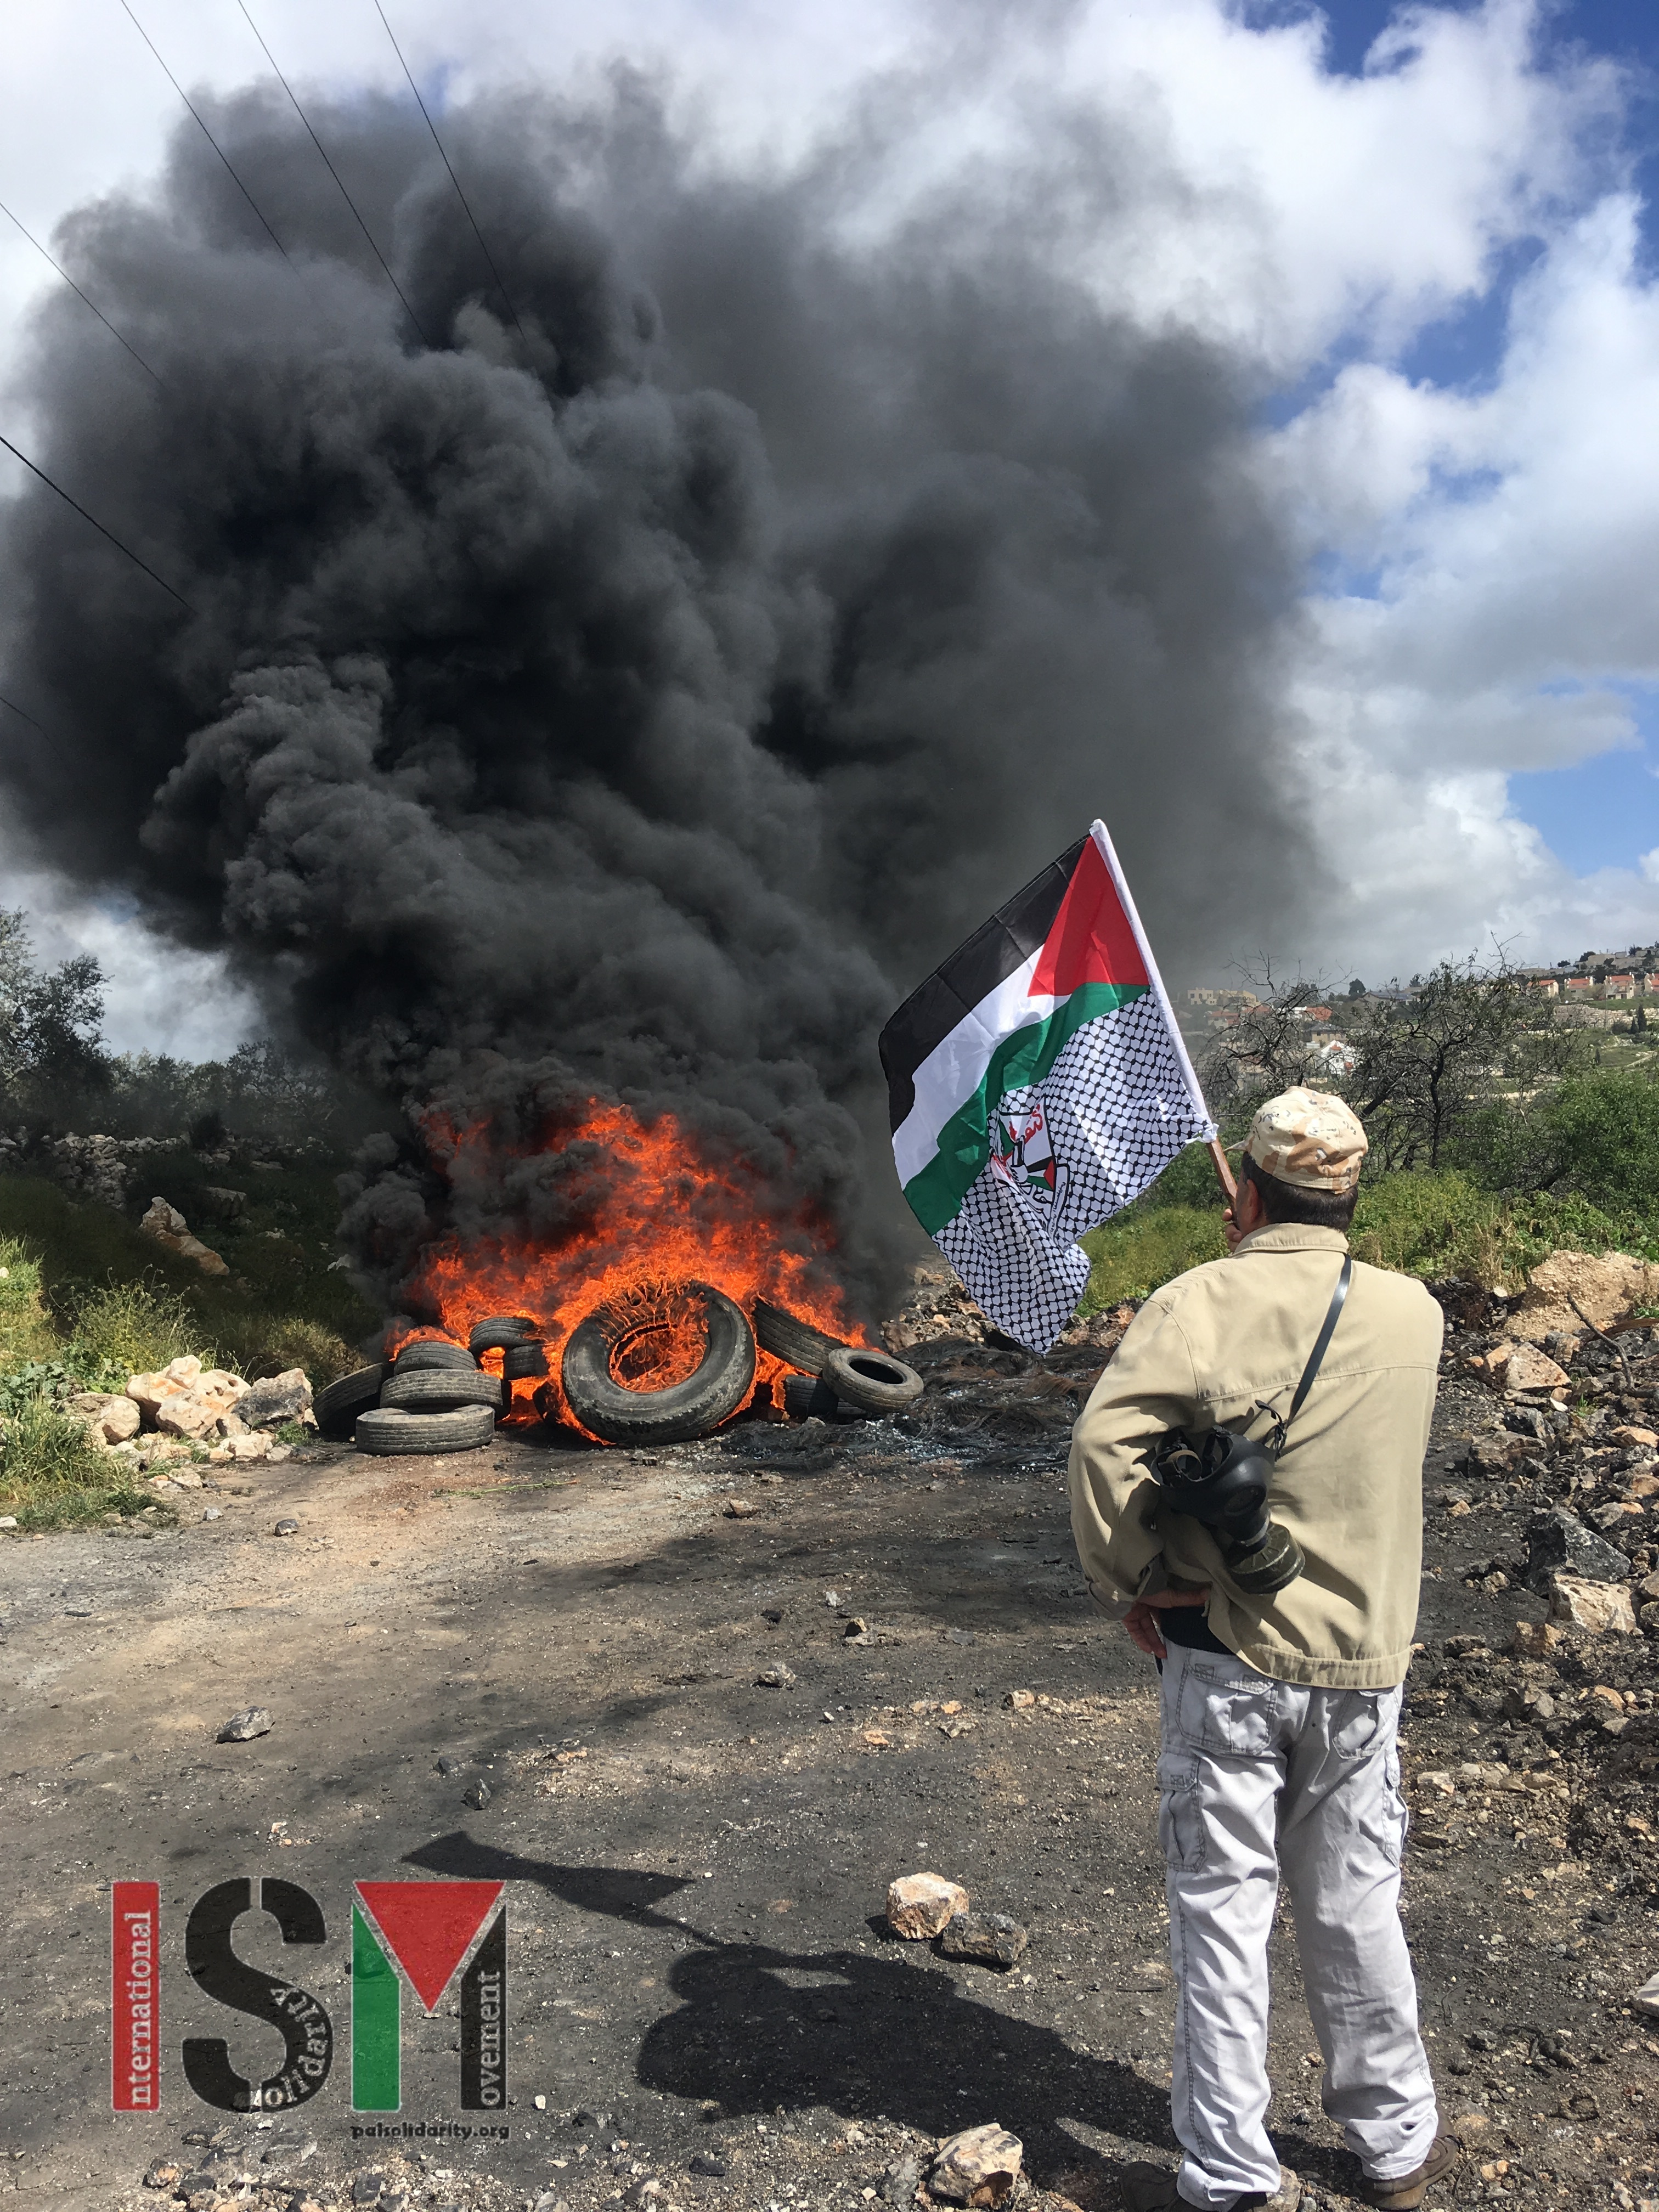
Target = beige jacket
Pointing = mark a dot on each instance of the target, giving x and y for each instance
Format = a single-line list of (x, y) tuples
[(1349, 1487)]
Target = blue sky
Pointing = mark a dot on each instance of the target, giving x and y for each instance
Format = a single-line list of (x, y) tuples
[(1602, 813)]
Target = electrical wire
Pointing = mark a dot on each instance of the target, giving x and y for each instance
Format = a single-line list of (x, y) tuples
[(22, 717), (206, 133), (335, 173), (454, 178), (78, 293), (100, 528)]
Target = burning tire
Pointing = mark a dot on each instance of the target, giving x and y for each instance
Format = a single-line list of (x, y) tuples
[(436, 1389), (616, 1335), (524, 1363), (873, 1381), (807, 1397), (339, 1406), (501, 1332), (391, 1431), (797, 1341), (432, 1352)]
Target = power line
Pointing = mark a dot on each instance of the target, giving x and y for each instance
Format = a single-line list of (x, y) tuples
[(78, 293), (335, 173), (454, 178), (100, 528), (207, 134), (22, 717)]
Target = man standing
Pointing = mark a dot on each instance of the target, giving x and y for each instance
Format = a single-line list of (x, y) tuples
[(1280, 1713)]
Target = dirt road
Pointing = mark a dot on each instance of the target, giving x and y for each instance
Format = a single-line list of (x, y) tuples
[(699, 1987)]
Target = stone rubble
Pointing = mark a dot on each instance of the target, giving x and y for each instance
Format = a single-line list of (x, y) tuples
[(184, 1399), (100, 1168)]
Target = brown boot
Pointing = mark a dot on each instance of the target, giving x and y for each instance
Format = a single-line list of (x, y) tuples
[(1152, 2189), (1407, 2191)]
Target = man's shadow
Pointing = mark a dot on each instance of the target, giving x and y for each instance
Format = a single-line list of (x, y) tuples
[(869, 2036)]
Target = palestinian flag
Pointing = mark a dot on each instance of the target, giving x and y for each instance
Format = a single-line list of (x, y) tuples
[(1038, 1082)]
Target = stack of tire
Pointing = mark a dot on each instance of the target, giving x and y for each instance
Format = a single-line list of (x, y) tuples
[(835, 1380), (433, 1397)]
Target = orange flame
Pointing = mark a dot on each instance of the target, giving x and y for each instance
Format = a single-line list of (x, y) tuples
[(642, 1205)]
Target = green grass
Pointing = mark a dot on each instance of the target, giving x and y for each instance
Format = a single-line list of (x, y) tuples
[(52, 1476), (26, 1334), (138, 1327), (1427, 1225), (1433, 1224), (1139, 1249)]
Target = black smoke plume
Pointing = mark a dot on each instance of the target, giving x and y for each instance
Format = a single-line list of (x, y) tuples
[(633, 682)]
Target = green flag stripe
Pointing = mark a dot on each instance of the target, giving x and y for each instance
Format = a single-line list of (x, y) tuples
[(1026, 1056), (376, 2056)]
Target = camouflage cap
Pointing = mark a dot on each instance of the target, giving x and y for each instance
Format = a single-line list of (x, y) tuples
[(1308, 1139)]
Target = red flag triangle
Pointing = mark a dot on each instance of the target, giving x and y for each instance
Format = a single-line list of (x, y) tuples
[(1091, 940), (427, 1926)]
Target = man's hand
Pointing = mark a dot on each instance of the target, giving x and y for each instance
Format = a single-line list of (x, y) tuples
[(1141, 1618)]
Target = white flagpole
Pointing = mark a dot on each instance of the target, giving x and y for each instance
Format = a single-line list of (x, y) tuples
[(1104, 845)]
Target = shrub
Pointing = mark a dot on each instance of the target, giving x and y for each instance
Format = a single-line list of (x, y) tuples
[(52, 1475), (255, 1344), (136, 1326), (1431, 1224), (1603, 1132)]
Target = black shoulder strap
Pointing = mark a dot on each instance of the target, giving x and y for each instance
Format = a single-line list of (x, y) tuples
[(1339, 1299)]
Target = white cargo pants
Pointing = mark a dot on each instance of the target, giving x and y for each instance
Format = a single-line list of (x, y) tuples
[(1258, 1777)]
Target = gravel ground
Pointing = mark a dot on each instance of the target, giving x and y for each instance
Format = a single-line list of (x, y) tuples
[(704, 2007)]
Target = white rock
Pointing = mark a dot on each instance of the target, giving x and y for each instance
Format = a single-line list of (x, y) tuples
[(978, 2166), (1529, 1369), (163, 1222), (168, 1227), (112, 1417), (918, 1904), (1646, 1999), (1601, 1608), (196, 1411)]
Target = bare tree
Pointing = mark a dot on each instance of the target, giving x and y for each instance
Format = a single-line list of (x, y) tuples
[(1427, 1063), (1268, 1048)]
